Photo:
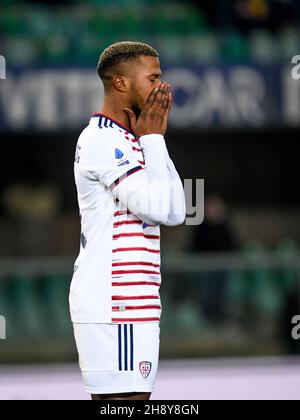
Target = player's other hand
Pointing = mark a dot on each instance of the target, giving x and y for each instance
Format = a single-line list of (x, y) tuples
[(153, 118)]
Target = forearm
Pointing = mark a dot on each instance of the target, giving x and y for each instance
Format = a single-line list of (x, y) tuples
[(158, 168), (154, 194), (147, 193), (177, 210)]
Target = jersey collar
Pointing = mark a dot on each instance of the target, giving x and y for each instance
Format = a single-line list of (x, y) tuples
[(99, 114)]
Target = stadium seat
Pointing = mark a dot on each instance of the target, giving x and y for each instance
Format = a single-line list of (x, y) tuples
[(201, 48), (263, 49), (235, 47), (289, 43), (22, 50)]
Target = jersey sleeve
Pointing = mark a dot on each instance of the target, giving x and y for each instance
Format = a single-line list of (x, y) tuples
[(107, 157)]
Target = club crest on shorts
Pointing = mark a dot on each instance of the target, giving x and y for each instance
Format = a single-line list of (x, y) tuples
[(145, 368)]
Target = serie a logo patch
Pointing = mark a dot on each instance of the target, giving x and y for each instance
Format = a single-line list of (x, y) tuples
[(118, 154), (145, 368)]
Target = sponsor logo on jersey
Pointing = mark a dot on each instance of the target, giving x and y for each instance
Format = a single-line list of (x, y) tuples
[(126, 162)]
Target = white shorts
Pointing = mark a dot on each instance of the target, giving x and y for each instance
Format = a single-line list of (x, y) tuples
[(118, 358)]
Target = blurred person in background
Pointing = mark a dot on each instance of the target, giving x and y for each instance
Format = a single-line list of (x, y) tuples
[(214, 236), (250, 14), (32, 211)]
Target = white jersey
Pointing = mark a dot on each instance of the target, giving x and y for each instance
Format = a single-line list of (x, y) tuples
[(117, 273)]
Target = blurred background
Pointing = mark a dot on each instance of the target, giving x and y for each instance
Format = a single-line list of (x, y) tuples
[(231, 285)]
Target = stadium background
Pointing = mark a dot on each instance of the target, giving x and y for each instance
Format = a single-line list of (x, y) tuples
[(231, 286)]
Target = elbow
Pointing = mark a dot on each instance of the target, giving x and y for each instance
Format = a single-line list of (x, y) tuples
[(175, 220), (154, 219), (180, 220), (177, 215), (160, 219)]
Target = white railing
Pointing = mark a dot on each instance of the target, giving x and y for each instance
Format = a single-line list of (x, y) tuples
[(170, 263)]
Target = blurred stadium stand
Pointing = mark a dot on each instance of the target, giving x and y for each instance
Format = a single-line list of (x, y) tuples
[(235, 123), (57, 33)]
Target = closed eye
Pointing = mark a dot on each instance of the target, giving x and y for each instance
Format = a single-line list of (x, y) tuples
[(154, 77)]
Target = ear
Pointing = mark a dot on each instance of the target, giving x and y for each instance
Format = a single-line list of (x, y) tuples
[(121, 83)]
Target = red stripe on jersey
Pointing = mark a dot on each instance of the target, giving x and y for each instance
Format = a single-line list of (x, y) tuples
[(134, 319), (134, 140), (136, 283), (128, 222), (142, 162), (134, 272), (130, 308), (121, 235), (135, 297), (135, 263), (121, 213), (156, 251), (135, 148)]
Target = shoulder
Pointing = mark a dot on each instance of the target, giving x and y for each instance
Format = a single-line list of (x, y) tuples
[(101, 139), (102, 144)]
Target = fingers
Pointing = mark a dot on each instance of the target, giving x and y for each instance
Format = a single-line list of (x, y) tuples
[(160, 100), (131, 117), (163, 101), (165, 97), (151, 99), (157, 107), (168, 98), (169, 102)]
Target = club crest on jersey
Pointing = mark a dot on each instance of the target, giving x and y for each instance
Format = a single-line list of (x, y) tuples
[(118, 154), (145, 368)]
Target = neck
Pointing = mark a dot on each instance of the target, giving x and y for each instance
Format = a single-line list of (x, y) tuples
[(114, 108)]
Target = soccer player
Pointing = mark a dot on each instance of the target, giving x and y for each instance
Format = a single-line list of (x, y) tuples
[(127, 186)]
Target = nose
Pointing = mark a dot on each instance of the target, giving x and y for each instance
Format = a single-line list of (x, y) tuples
[(157, 83)]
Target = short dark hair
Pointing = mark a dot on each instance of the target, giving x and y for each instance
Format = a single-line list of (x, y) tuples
[(122, 52)]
